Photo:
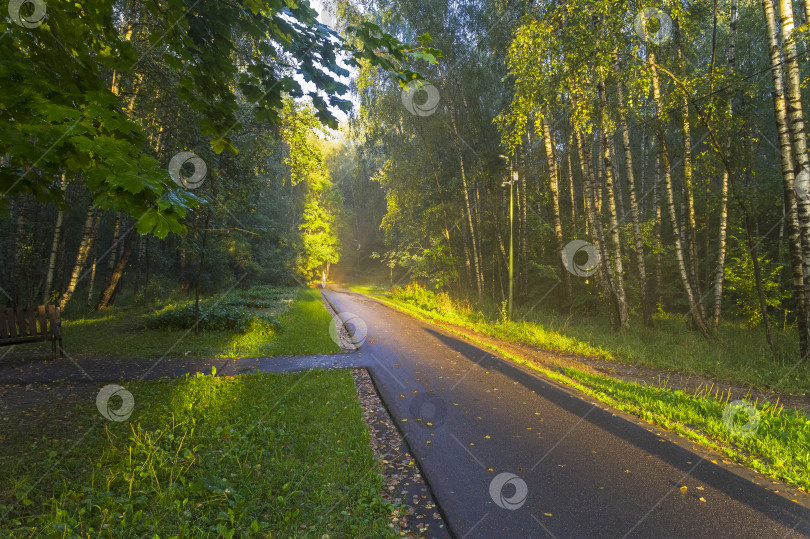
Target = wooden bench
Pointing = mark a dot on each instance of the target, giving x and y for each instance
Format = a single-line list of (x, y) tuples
[(29, 324)]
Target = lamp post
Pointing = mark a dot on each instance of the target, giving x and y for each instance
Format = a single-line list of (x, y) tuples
[(511, 183)]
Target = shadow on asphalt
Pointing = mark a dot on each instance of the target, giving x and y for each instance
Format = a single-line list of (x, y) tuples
[(760, 499)]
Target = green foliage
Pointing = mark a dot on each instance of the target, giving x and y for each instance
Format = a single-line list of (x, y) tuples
[(234, 311), (63, 109), (202, 456), (318, 245), (741, 282), (213, 316)]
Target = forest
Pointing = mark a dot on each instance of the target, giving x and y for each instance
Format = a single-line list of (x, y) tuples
[(646, 132), (624, 182), (670, 139), (657, 156)]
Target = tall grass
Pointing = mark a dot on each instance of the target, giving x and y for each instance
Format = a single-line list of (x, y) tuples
[(735, 353)]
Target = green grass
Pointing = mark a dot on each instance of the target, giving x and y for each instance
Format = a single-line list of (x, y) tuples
[(780, 447), (268, 321), (267, 455)]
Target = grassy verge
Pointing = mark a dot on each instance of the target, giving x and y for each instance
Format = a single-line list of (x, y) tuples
[(779, 446), (735, 354), (261, 321), (263, 455)]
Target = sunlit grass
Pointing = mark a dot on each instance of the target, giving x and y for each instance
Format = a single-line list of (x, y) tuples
[(779, 447), (300, 326), (264, 455), (735, 354)]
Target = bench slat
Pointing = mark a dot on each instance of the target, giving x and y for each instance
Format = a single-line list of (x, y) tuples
[(12, 323), (53, 317), (3, 331), (22, 328), (30, 324), (43, 320), (20, 340), (32, 321)]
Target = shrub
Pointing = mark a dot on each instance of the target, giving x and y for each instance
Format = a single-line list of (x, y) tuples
[(213, 316)]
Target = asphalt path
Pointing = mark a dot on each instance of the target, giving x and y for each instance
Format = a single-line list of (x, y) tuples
[(508, 453)]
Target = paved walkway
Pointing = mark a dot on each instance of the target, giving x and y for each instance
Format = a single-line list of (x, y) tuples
[(510, 454), (113, 370)]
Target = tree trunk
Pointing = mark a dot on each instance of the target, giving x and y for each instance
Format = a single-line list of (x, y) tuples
[(597, 233), (643, 201), (555, 207), (571, 191), (59, 278), (88, 237), (615, 233), (460, 155), (108, 295), (199, 275), (478, 229), (57, 232), (646, 307), (596, 173), (679, 250), (688, 185), (15, 291), (141, 249), (763, 305), (788, 179), (467, 262), (91, 287), (112, 252), (723, 225), (146, 257), (805, 19), (659, 239), (524, 234), (617, 180), (801, 163)]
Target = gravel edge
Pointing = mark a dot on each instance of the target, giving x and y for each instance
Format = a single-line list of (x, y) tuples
[(418, 515)]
